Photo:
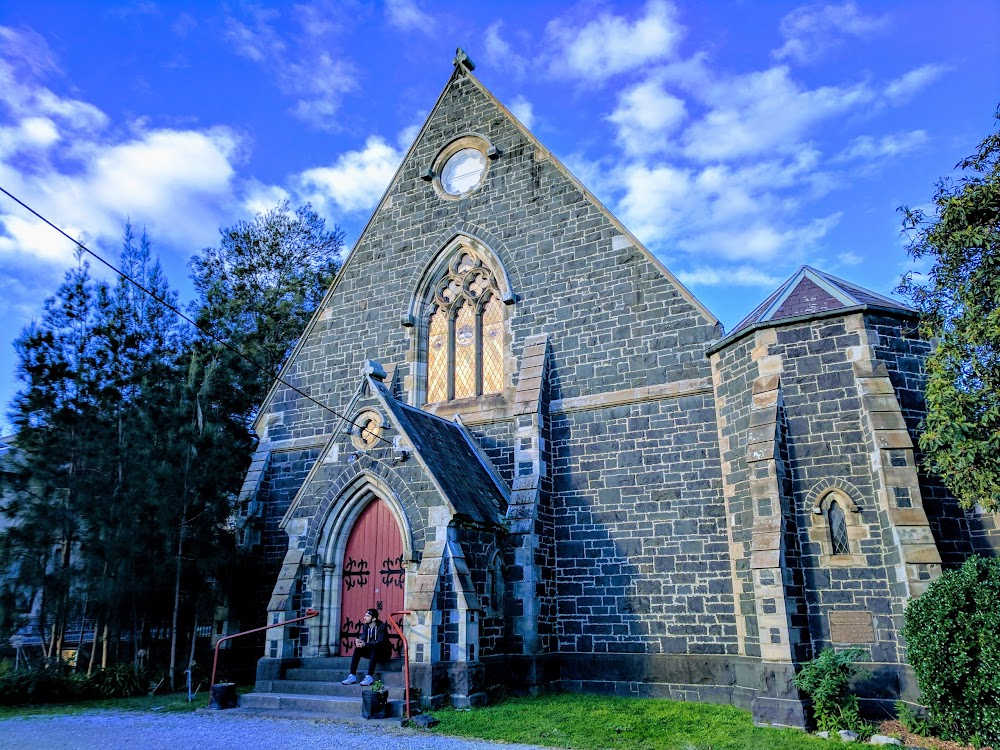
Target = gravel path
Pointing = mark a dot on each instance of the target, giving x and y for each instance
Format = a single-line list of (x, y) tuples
[(112, 731)]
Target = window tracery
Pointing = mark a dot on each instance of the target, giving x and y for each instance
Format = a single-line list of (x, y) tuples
[(465, 332), (837, 528)]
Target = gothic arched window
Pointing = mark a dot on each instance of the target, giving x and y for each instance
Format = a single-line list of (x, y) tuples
[(838, 529), (465, 332), (494, 594)]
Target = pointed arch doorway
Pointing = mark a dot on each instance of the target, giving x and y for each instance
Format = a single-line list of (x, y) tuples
[(373, 573)]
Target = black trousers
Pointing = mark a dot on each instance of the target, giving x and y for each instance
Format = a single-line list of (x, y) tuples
[(374, 657)]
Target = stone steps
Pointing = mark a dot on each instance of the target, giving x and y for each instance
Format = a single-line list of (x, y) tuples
[(390, 679), (344, 663), (313, 705), (315, 687)]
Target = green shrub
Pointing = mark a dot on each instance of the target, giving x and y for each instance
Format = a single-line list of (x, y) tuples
[(43, 684), (952, 633), (913, 721), (119, 681), (825, 680)]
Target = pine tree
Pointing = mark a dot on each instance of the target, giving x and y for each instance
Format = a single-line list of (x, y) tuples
[(54, 414), (259, 288)]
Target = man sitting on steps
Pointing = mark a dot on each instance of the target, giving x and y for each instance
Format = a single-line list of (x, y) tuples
[(373, 642)]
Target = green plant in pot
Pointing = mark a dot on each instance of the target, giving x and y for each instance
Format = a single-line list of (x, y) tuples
[(375, 701)]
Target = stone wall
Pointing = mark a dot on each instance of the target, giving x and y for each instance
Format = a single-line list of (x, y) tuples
[(640, 530), (733, 374), (958, 533)]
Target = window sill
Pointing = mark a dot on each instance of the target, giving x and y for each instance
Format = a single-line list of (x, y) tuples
[(472, 410)]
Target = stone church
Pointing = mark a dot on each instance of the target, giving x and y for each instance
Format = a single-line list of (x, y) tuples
[(525, 434)]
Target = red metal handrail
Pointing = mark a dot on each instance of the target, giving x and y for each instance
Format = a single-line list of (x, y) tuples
[(406, 659), (310, 613)]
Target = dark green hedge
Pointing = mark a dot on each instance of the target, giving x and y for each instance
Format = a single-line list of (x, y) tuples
[(953, 638), (55, 684)]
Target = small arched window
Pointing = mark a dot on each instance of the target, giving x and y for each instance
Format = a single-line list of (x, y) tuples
[(838, 529), (465, 332), (494, 594)]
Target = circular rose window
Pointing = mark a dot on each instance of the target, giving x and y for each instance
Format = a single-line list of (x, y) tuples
[(367, 430), (463, 171)]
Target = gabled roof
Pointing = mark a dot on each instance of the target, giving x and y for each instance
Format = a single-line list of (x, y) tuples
[(450, 456), (810, 291), (466, 75), (448, 452)]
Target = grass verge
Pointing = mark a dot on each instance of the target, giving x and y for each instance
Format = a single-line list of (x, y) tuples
[(590, 722)]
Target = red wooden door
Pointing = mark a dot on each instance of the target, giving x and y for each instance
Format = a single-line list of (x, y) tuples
[(373, 572)]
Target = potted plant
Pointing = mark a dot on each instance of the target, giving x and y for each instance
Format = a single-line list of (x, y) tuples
[(374, 701)]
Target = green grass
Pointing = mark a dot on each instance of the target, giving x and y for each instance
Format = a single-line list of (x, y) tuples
[(590, 722)]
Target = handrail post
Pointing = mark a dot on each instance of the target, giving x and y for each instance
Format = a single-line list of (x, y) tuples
[(406, 659), (310, 613)]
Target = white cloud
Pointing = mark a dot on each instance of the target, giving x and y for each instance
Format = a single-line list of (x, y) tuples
[(904, 87), (27, 51), (259, 198), (724, 212), (763, 112), (610, 44), (728, 276), (871, 149), (59, 156), (849, 258), (646, 114), (523, 111), (408, 135), (177, 183), (356, 181), (31, 100), (407, 15), (303, 67), (500, 53), (763, 241), (812, 31), (31, 134)]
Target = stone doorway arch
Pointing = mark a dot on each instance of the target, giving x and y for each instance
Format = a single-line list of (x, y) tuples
[(365, 552), (372, 572)]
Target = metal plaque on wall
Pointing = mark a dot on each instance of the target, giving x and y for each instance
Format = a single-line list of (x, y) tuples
[(852, 627)]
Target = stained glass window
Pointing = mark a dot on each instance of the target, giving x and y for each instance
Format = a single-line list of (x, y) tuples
[(493, 346), (465, 332), (838, 529), (465, 352), (437, 357)]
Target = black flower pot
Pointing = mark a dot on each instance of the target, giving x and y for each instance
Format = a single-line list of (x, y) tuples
[(223, 695), (374, 703)]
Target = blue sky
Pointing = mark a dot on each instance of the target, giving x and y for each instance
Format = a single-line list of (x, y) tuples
[(737, 140)]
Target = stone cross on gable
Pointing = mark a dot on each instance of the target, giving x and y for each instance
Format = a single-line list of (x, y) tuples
[(463, 62)]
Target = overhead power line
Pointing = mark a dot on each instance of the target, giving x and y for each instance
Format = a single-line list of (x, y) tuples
[(204, 331)]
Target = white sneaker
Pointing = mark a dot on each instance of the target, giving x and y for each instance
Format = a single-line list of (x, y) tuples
[(368, 680), (350, 680)]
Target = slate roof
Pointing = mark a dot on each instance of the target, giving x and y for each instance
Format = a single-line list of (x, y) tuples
[(447, 450), (810, 291)]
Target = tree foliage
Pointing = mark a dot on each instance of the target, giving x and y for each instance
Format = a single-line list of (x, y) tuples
[(259, 288), (132, 434), (959, 302)]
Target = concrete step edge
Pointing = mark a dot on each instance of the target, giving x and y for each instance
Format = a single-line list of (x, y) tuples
[(292, 715)]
